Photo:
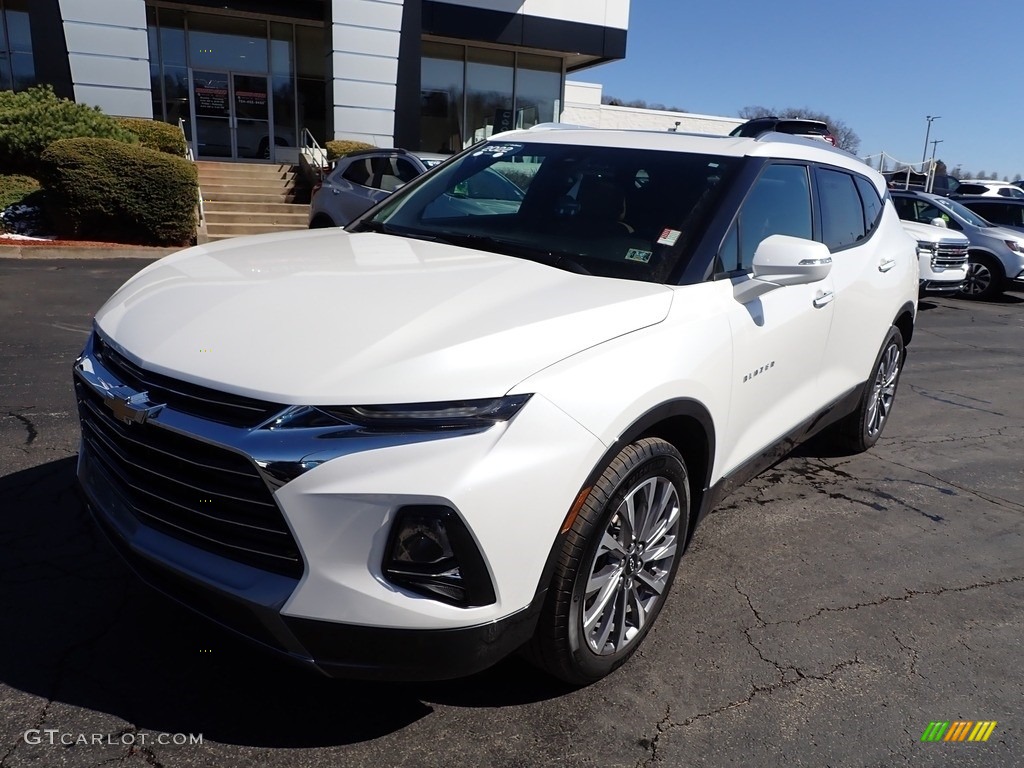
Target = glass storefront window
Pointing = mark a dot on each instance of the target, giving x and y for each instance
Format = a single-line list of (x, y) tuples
[(172, 37), (17, 68), (312, 105), (538, 89), (441, 97), (469, 93), (281, 48), (489, 81), (310, 51), (227, 43)]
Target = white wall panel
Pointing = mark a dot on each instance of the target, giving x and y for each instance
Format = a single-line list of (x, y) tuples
[(365, 40), (603, 13), (108, 51)]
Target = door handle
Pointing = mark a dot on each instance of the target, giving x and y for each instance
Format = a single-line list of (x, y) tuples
[(886, 265), (823, 298)]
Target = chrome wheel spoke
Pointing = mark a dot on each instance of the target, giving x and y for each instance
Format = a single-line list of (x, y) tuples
[(630, 570), (657, 583), (664, 551), (599, 580)]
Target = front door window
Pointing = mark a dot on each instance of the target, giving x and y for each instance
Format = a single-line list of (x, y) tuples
[(232, 114)]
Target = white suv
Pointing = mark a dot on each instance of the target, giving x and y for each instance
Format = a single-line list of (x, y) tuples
[(462, 426)]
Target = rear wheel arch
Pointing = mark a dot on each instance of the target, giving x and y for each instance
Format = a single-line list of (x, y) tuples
[(905, 323)]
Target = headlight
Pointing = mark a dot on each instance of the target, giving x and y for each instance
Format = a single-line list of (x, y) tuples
[(458, 414), (925, 245), (1014, 245)]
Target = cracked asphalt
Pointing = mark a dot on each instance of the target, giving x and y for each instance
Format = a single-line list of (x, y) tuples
[(823, 615)]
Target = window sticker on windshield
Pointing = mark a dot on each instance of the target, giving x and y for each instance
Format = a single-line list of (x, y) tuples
[(669, 236), (635, 254), (499, 150)]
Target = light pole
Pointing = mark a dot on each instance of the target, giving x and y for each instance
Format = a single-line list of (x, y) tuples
[(934, 143), (927, 134)]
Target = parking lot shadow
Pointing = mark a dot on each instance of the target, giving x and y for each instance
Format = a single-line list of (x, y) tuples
[(81, 629)]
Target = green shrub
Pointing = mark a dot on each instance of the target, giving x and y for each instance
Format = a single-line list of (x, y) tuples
[(156, 134), (102, 189), (340, 147), (30, 120), (15, 187)]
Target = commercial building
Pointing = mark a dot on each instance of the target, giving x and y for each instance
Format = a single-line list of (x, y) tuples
[(248, 77)]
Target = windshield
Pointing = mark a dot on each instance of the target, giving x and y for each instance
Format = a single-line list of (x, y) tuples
[(963, 212), (607, 211)]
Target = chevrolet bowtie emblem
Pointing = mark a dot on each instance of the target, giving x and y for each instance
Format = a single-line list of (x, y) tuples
[(130, 406)]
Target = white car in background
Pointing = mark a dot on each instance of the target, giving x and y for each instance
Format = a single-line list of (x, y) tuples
[(409, 448), (942, 255)]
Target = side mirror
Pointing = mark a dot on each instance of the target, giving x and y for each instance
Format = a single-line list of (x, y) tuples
[(783, 260), (938, 222)]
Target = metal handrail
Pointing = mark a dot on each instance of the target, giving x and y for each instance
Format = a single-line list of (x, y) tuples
[(190, 156), (313, 153)]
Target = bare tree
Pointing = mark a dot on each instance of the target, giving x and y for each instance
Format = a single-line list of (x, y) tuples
[(846, 137), (615, 101)]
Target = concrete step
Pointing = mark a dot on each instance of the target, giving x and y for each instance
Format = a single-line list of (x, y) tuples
[(221, 231), (231, 195), (218, 207), (235, 166), (298, 217), (244, 177)]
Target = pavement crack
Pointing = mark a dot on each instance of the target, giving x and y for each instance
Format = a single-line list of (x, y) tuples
[(936, 397), (910, 594), (999, 501), (908, 649), (33, 433)]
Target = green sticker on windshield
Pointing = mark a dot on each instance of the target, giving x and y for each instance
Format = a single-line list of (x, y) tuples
[(635, 254)]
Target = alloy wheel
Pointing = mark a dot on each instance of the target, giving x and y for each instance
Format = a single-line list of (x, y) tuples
[(632, 566), (883, 390), (979, 279)]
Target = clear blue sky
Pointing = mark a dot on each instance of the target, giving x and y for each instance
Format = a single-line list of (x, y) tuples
[(880, 66)]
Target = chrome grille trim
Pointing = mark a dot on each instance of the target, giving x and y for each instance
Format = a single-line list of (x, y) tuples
[(950, 256), (182, 475), (194, 399)]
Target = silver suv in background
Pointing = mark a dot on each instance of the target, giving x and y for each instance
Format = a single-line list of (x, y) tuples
[(995, 261), (361, 179)]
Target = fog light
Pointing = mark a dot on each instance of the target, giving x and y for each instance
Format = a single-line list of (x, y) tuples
[(430, 551)]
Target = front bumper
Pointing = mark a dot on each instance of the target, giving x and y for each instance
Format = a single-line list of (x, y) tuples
[(248, 602), (511, 485)]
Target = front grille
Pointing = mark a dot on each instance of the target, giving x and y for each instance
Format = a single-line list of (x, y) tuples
[(950, 256), (195, 400), (208, 496)]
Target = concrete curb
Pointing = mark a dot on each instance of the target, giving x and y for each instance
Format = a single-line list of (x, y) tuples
[(77, 252)]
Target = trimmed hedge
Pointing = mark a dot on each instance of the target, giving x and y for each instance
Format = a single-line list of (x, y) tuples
[(341, 147), (15, 187), (31, 120), (155, 134), (105, 190)]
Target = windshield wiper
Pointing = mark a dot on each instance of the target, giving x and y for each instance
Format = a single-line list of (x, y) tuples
[(381, 228)]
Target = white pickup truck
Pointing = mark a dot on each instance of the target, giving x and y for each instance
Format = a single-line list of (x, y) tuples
[(942, 254)]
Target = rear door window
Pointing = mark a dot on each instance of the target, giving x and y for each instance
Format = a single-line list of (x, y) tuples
[(842, 212)]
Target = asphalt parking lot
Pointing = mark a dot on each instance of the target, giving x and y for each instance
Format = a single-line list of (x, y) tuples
[(824, 615)]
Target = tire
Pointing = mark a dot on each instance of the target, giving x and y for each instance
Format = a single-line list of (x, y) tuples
[(321, 222), (611, 582), (862, 428), (984, 277)]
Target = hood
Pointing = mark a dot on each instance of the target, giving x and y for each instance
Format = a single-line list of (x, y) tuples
[(932, 233), (324, 317), (1004, 233)]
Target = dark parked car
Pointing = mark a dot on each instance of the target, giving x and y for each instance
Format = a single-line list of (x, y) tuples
[(811, 129), (1006, 212)]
